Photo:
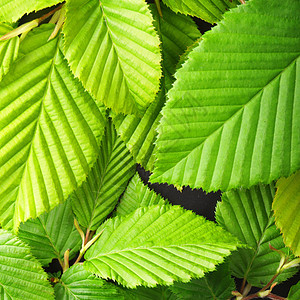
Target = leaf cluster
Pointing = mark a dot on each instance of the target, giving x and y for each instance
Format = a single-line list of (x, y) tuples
[(90, 88)]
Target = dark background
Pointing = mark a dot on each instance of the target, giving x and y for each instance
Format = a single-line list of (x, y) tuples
[(196, 200)]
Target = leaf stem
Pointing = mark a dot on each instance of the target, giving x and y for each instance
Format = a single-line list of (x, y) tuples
[(66, 260), (60, 262), (270, 296), (50, 13), (158, 8), (86, 246), (25, 28), (76, 224), (243, 285), (269, 283), (276, 297), (87, 236)]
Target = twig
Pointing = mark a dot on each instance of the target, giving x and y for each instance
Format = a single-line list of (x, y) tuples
[(158, 8), (50, 13)]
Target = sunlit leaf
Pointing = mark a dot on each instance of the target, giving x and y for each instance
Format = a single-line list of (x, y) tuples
[(113, 49), (156, 245), (50, 130), (232, 118), (21, 275), (286, 207), (248, 215)]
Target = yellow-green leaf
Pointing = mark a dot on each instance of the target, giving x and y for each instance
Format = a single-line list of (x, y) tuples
[(286, 206)]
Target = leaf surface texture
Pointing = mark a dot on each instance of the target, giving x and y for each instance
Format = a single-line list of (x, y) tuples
[(143, 293), (137, 195), (286, 207), (248, 215), (12, 10), (208, 10), (216, 285), (99, 194), (294, 293), (21, 275), (158, 245), (114, 50), (177, 32), (8, 50), (50, 130), (232, 118), (51, 234), (78, 284)]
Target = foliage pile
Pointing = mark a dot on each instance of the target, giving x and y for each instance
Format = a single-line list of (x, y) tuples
[(93, 87)]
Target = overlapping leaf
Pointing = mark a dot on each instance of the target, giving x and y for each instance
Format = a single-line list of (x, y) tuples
[(143, 293), (21, 275), (98, 196), (51, 234), (50, 131), (158, 245), (232, 118), (114, 50), (8, 50), (216, 285), (286, 207), (12, 10), (76, 284), (294, 293), (177, 32), (247, 214), (137, 195), (208, 10)]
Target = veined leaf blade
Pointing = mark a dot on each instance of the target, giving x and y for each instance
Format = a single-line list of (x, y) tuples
[(177, 32), (8, 50), (294, 293), (208, 10), (234, 106), (12, 10), (158, 245), (137, 195), (286, 207), (99, 194), (144, 293), (78, 284), (216, 285), (21, 275), (113, 49), (248, 215), (50, 130), (51, 234)]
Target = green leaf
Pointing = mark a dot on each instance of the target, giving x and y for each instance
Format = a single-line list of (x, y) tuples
[(216, 285), (76, 284), (98, 196), (137, 195), (143, 293), (50, 130), (247, 214), (208, 10), (232, 115), (286, 207), (158, 245), (21, 275), (51, 234), (176, 32), (114, 50), (294, 293), (8, 50), (12, 10)]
